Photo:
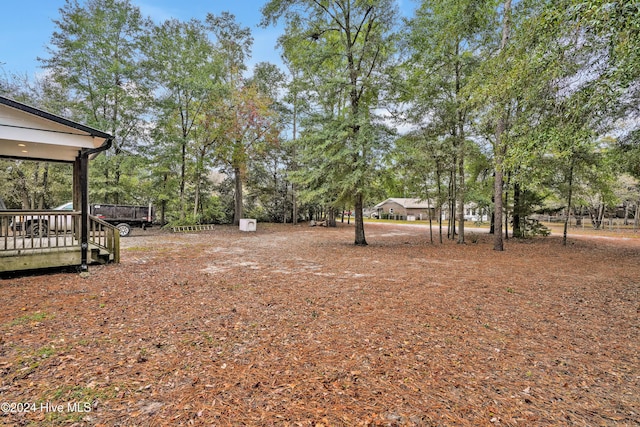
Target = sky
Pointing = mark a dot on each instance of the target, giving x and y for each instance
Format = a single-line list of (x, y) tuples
[(26, 27)]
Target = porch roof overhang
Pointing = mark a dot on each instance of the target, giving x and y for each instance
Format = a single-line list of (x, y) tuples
[(29, 133)]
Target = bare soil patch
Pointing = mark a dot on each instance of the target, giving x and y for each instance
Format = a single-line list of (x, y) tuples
[(296, 326)]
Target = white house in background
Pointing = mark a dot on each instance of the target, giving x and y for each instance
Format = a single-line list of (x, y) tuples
[(472, 212)]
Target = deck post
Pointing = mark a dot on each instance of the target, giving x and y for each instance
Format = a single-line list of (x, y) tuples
[(44, 133), (83, 180)]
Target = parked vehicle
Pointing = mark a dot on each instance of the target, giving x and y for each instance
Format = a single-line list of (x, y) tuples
[(124, 216), (39, 225)]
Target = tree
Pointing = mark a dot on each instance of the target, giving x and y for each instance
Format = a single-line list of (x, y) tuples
[(185, 65), (250, 125), (348, 40), (445, 41), (529, 90), (297, 107), (35, 184), (248, 122), (426, 162), (268, 177), (95, 56), (500, 142), (611, 35)]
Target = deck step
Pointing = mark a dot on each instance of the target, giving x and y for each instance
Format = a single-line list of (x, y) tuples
[(101, 255)]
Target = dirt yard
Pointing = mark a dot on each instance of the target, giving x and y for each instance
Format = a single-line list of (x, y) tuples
[(295, 326)]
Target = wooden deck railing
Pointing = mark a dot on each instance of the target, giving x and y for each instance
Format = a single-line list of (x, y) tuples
[(105, 236), (29, 232), (37, 230)]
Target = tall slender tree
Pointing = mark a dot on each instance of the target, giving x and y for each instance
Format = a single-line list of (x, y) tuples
[(350, 41), (185, 66), (250, 126), (446, 41), (95, 55)]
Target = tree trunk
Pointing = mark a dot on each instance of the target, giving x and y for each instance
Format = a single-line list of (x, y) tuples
[(183, 172), (198, 178), (597, 215), (276, 213), (331, 221), (117, 176), (36, 178), (196, 202), (506, 207), (498, 240), (163, 203), (439, 182), (45, 186), (21, 184), (285, 199), (294, 202), (500, 151), (518, 230), (451, 234), (626, 212), (237, 197), (461, 151), (566, 220), (492, 224), (360, 239), (460, 195), (430, 220)]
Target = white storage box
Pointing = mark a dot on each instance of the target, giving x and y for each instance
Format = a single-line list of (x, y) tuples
[(247, 224)]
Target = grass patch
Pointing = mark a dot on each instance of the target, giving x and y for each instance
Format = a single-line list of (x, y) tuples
[(45, 352), (77, 402), (38, 316), (425, 222), (138, 248)]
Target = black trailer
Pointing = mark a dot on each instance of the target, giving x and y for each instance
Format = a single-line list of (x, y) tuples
[(124, 216)]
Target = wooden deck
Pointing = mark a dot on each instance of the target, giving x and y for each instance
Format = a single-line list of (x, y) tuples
[(21, 248)]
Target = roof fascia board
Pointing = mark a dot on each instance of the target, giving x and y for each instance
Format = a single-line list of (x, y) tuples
[(52, 117)]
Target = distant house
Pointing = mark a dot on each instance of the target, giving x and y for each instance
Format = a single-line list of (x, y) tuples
[(401, 208), (473, 212)]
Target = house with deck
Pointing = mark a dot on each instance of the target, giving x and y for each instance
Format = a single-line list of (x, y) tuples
[(39, 239)]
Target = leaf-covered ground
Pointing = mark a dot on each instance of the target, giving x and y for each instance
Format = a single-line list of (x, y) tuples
[(296, 326)]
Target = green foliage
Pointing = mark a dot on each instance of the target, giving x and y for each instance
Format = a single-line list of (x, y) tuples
[(214, 212), (339, 49), (95, 57), (179, 100), (34, 185), (184, 63)]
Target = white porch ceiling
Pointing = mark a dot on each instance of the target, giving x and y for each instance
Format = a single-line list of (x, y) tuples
[(28, 133)]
